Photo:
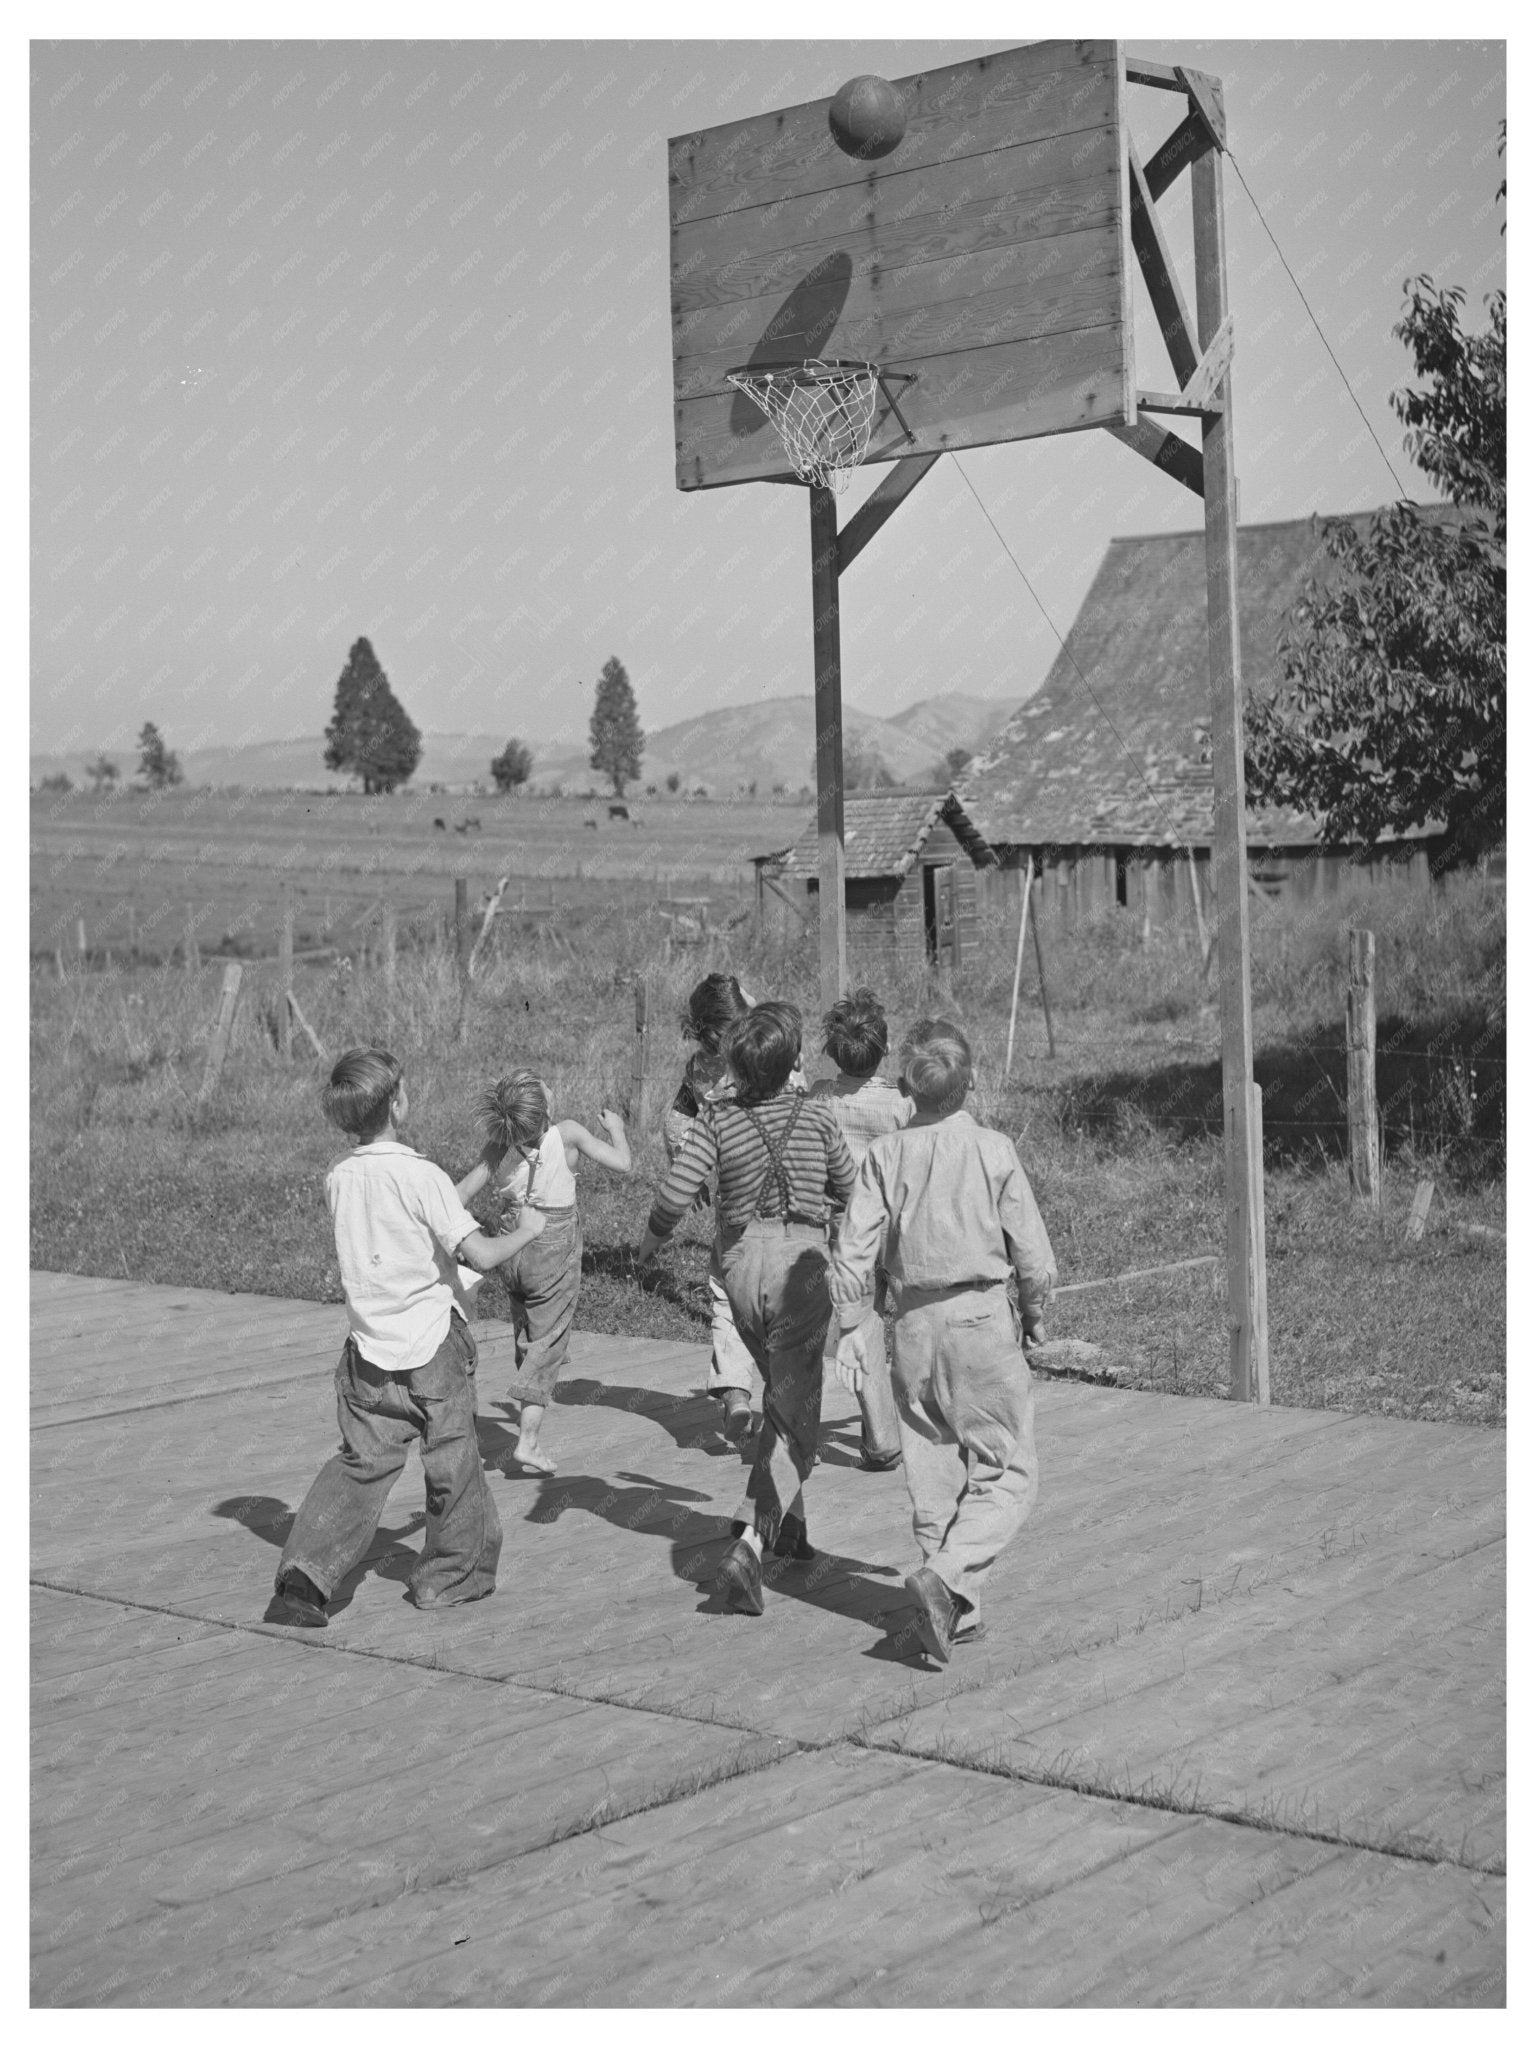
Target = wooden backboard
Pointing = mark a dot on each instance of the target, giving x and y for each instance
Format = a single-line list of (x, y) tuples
[(987, 254)]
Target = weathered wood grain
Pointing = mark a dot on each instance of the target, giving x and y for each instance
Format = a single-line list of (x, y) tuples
[(1016, 390), (1284, 1614), (955, 112)]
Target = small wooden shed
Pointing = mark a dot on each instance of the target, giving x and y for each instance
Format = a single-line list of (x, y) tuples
[(910, 864)]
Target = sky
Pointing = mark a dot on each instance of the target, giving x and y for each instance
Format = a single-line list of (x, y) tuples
[(344, 338)]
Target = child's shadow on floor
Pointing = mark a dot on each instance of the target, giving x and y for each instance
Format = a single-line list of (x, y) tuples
[(272, 1519), (691, 1420), (653, 1507)]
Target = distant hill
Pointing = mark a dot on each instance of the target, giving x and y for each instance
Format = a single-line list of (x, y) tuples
[(771, 744)]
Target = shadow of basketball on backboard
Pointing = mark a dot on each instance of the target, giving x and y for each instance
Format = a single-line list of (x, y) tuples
[(799, 330)]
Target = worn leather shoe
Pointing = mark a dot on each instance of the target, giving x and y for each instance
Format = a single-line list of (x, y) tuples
[(740, 1578), (297, 1603), (736, 1416), (936, 1613), (792, 1540)]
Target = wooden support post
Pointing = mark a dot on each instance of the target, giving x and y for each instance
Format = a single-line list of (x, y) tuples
[(1418, 1215), (189, 951), (1258, 1292), (1360, 1068), (1194, 890), (1018, 961), (285, 974), (461, 932), (390, 945), (80, 945), (485, 925), (1045, 994), (133, 933), (642, 1052), (1247, 1313), (229, 995), (829, 745)]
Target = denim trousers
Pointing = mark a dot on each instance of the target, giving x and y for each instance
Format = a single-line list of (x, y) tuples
[(775, 1276), (544, 1280), (381, 1414), (966, 1408), (730, 1362)]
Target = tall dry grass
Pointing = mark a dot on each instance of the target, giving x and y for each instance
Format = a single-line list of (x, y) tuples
[(1126, 1160)]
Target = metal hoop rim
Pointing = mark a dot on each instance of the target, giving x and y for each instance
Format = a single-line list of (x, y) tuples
[(805, 370)]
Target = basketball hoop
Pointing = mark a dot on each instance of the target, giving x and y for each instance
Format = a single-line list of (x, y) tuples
[(823, 412)]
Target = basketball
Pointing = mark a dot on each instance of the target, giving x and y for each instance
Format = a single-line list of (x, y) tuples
[(868, 117)]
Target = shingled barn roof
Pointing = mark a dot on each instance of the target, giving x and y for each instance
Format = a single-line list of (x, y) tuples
[(885, 830), (1058, 774)]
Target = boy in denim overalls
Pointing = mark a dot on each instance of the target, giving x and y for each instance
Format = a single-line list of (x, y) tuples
[(946, 1206)]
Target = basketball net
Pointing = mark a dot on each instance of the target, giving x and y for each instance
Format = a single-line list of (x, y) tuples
[(823, 412)]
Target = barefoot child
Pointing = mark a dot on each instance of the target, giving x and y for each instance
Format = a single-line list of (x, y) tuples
[(528, 1162), (714, 1005), (778, 1155), (866, 1106), (948, 1205), (406, 1368)]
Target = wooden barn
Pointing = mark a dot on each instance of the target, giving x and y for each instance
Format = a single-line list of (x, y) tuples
[(1104, 775), (910, 874)]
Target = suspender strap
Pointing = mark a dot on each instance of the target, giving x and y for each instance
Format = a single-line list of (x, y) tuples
[(774, 1171)]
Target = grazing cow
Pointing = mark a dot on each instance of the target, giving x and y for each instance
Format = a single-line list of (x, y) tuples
[(590, 823), (438, 825), (618, 811)]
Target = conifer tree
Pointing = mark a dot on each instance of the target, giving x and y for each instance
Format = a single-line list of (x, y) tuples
[(617, 741), (370, 735)]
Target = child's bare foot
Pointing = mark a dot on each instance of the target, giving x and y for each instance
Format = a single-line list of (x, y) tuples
[(528, 1454)]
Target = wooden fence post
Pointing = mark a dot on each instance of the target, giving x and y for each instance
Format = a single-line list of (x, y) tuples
[(1360, 1068), (461, 946), (389, 951), (1257, 1294), (192, 962), (461, 935), (133, 934), (1018, 960), (1045, 998), (1418, 1215), (1194, 890), (285, 974), (229, 995), (642, 1051), (80, 945)]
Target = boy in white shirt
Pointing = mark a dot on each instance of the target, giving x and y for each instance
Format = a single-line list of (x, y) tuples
[(406, 1368)]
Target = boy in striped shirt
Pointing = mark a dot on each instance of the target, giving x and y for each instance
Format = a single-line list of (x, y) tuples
[(778, 1156)]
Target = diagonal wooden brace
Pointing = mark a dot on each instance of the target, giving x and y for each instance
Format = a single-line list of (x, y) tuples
[(1206, 102), (1199, 394), (1152, 254), (1190, 139), (1165, 451), (904, 476)]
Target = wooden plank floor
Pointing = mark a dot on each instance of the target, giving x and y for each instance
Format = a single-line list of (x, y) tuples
[(1235, 1735)]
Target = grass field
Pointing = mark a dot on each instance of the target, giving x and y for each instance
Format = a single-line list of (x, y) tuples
[(224, 856), (1120, 1132)]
